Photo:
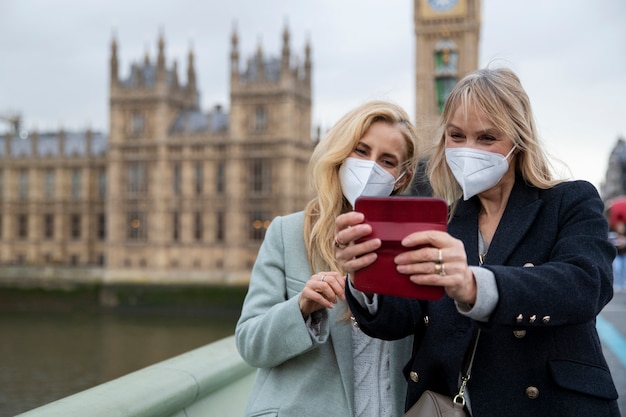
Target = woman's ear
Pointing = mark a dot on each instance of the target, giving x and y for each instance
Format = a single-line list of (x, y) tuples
[(403, 181)]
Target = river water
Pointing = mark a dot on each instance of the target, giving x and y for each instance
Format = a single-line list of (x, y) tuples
[(48, 356)]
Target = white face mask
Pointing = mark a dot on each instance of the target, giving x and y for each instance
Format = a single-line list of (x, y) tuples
[(476, 170), (360, 177)]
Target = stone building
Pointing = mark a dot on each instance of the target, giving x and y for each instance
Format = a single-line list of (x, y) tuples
[(52, 198), (173, 193), (614, 184), (447, 34)]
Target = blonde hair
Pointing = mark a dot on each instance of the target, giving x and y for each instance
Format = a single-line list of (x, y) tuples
[(327, 157), (499, 94)]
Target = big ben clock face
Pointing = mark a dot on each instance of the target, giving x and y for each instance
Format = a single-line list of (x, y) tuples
[(435, 9), (442, 5)]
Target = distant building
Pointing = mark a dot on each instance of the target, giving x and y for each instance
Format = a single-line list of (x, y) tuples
[(173, 192), (52, 198), (447, 34), (614, 184)]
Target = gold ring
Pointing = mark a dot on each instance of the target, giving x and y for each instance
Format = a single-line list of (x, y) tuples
[(442, 269), (437, 268), (439, 258), (339, 245), (323, 277)]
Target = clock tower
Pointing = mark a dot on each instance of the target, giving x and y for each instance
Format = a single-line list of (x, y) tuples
[(446, 49)]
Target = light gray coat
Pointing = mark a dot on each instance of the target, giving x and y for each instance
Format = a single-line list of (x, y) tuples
[(300, 375)]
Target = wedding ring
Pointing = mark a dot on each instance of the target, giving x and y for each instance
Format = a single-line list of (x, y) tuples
[(439, 258), (338, 244), (323, 277), (438, 268), (442, 269)]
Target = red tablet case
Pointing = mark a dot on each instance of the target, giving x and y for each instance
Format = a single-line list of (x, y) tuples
[(392, 219)]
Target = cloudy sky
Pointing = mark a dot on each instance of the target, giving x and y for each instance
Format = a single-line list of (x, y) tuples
[(569, 54)]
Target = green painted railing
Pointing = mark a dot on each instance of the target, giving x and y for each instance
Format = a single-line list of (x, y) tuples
[(212, 380)]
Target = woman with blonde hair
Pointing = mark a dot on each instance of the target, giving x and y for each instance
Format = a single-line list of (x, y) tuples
[(525, 264), (294, 323)]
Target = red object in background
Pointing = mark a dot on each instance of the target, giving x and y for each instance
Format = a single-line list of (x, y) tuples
[(617, 211)]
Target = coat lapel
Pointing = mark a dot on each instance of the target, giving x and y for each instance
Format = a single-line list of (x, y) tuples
[(464, 226), (521, 210), (520, 213)]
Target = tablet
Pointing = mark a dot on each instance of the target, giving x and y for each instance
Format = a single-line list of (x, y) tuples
[(392, 219)]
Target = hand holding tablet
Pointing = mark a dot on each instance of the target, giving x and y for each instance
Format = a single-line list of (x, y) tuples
[(392, 219)]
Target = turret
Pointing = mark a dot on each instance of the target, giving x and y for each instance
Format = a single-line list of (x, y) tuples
[(284, 66), (161, 59), (234, 57), (114, 63), (307, 61), (191, 73), (259, 63), (175, 82)]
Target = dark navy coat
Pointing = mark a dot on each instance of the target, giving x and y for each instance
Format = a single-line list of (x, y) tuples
[(539, 354)]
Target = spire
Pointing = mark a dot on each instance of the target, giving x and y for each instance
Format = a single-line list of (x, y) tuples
[(307, 61), (161, 55), (259, 63), (191, 92), (161, 72), (286, 51), (191, 72), (175, 83), (234, 56), (114, 62), (234, 51)]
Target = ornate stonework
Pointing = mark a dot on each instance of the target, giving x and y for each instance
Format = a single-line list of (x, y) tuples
[(174, 192)]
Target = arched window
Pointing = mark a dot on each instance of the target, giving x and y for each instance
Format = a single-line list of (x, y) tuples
[(446, 70), (260, 119)]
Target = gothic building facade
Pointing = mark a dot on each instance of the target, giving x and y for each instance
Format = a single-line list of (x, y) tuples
[(173, 192), (614, 184), (447, 34)]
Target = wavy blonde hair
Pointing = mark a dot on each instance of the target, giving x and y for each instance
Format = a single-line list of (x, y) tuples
[(327, 157), (499, 94)]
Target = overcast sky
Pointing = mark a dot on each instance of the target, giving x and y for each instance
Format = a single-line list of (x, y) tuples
[(569, 54)]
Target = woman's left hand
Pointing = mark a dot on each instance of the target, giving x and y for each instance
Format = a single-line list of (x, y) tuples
[(436, 258)]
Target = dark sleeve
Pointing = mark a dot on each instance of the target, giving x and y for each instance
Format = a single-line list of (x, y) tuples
[(396, 317)]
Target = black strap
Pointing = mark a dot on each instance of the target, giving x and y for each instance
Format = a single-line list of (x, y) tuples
[(469, 355), (420, 329), (459, 398)]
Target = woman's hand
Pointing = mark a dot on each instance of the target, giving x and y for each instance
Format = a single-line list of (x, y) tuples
[(436, 258), (321, 291), (352, 256)]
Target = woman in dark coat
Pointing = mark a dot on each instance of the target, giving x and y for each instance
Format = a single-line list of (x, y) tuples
[(526, 260)]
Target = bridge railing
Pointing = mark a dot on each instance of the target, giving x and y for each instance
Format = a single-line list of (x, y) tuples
[(212, 380)]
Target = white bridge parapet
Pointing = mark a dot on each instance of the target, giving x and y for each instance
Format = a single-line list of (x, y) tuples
[(212, 380)]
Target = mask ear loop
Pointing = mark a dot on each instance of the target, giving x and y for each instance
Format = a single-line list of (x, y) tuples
[(510, 152), (398, 179)]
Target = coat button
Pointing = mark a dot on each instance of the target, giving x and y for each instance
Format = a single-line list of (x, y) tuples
[(532, 392), (414, 376), (545, 319), (519, 333)]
